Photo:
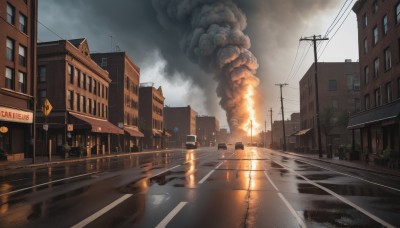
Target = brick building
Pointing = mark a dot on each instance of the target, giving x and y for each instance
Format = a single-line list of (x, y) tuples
[(377, 126), (292, 126), (151, 116), (78, 90), (207, 130), (179, 121), (124, 97), (338, 92), (18, 35)]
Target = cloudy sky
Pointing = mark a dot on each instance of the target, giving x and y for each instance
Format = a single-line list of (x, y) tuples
[(274, 28)]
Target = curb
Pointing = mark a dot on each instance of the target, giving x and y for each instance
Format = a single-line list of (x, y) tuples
[(82, 159), (347, 166)]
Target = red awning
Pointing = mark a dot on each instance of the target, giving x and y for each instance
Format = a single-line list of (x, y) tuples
[(95, 124), (134, 132)]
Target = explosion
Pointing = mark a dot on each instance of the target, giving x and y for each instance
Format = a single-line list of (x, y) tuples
[(212, 36)]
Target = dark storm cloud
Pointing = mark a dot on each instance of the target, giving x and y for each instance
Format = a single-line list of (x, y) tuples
[(271, 26)]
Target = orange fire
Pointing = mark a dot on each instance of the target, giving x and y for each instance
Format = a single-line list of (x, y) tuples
[(251, 124)]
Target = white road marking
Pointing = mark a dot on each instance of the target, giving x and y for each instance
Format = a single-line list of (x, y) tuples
[(371, 182), (288, 205), (102, 211), (341, 198), (212, 171), (113, 204), (270, 181), (171, 215), (50, 182)]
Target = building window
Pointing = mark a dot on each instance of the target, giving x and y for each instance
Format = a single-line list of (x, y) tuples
[(378, 98), (335, 105), (79, 78), (103, 62), (70, 99), (94, 87), (98, 108), (22, 82), (365, 46), (385, 24), (71, 74), (22, 55), (84, 103), (90, 106), (366, 75), (367, 102), (127, 83), (94, 108), (42, 74), (10, 14), (41, 97), (357, 104), (398, 13), (84, 81), (98, 89), (9, 78), (376, 35), (376, 67), (388, 59), (22, 23), (10, 49), (102, 110), (106, 93), (332, 85), (375, 6), (102, 90), (78, 102), (89, 81), (389, 93), (365, 21)]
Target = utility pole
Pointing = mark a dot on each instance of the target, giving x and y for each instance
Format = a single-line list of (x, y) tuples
[(272, 143), (314, 39), (265, 134), (283, 116)]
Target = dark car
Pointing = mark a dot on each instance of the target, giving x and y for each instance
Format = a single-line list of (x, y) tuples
[(239, 145), (222, 146)]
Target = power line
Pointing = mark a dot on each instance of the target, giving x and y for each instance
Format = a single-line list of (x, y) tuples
[(294, 62), (333, 24), (50, 30)]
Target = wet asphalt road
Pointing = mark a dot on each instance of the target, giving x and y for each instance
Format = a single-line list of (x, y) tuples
[(198, 188)]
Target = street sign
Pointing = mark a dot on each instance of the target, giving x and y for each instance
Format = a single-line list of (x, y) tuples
[(46, 108), (70, 127), (121, 125), (45, 127)]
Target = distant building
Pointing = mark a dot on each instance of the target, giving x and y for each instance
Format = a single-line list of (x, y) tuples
[(207, 130), (78, 90), (291, 127), (124, 97), (18, 35), (377, 127), (151, 116), (179, 121), (223, 135), (338, 92)]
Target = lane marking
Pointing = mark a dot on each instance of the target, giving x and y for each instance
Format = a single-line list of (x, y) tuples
[(341, 198), (50, 182), (102, 211), (212, 171), (270, 181), (171, 215), (289, 206), (349, 175), (113, 204)]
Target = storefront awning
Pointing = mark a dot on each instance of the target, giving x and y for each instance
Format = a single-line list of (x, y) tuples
[(382, 113), (156, 132), (303, 132), (167, 134), (95, 124), (134, 132)]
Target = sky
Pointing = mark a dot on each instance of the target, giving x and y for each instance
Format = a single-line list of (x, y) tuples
[(273, 26)]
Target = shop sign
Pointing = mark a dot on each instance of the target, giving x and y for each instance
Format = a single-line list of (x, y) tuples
[(15, 115), (3, 129), (70, 127)]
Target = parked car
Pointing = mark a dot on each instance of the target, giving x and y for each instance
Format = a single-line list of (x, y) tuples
[(239, 145), (222, 146)]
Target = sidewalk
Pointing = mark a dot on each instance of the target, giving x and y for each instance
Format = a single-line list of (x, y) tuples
[(361, 165)]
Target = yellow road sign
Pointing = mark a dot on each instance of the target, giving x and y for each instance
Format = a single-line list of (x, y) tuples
[(46, 108)]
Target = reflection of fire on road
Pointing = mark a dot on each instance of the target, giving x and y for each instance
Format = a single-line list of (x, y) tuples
[(4, 198), (190, 170)]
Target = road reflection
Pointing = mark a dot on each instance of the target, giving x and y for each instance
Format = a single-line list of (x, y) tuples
[(190, 169)]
